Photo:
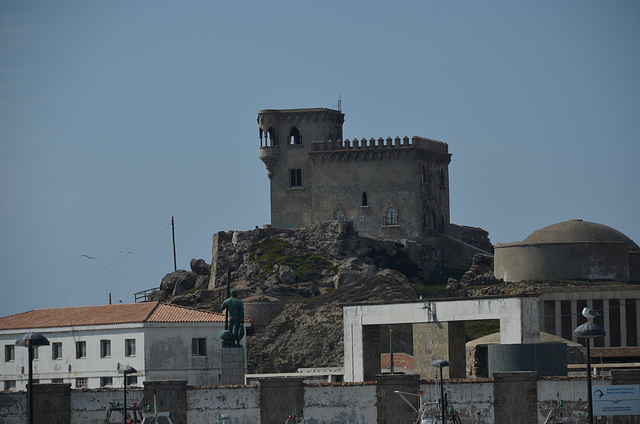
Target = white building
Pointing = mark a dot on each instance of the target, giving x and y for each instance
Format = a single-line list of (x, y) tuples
[(161, 341)]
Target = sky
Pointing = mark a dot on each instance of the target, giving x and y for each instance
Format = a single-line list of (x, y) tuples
[(116, 116)]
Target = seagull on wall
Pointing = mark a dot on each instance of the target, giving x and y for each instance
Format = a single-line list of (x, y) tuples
[(589, 313), (88, 257)]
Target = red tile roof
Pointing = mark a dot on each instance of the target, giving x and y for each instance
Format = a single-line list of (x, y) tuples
[(122, 313)]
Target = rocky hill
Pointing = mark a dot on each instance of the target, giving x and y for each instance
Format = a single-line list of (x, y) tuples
[(295, 282)]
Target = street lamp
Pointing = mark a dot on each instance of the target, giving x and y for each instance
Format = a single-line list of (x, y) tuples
[(441, 363), (588, 331), (31, 340), (125, 369)]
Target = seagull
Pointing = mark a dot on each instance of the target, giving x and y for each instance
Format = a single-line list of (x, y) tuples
[(589, 313), (88, 257)]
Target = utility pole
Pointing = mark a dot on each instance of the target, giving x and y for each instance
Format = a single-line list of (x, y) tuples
[(173, 233)]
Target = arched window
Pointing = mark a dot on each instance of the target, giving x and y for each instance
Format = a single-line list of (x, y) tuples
[(271, 137), (442, 177), (294, 136), (424, 173), (364, 199), (339, 215), (261, 144), (391, 218)]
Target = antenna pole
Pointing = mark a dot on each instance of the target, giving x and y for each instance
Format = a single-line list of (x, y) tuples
[(173, 233), (226, 311)]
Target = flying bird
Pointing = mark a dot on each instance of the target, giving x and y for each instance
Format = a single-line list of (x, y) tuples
[(88, 257), (589, 313)]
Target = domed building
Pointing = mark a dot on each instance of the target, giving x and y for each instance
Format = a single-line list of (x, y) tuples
[(570, 250)]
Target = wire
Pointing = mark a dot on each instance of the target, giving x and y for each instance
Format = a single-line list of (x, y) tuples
[(101, 270), (622, 302)]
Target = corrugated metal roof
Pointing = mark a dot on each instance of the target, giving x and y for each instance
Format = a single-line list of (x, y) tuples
[(123, 313)]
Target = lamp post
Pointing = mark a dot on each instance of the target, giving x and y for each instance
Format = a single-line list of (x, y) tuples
[(125, 370), (588, 331), (441, 363), (31, 340)]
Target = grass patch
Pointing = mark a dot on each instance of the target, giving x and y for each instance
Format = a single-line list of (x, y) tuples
[(269, 252)]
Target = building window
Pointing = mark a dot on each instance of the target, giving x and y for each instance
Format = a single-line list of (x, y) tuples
[(130, 347), (339, 215), (56, 350), (442, 177), (106, 381), (391, 218), (105, 348), (294, 136), (132, 380), (82, 382), (81, 350), (9, 384), (57, 380), (424, 173), (9, 353), (35, 352), (271, 137), (364, 199), (295, 178), (199, 346)]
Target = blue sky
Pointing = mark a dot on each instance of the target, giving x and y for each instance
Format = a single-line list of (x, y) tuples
[(116, 116)]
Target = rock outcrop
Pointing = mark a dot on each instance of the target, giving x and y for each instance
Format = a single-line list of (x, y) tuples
[(295, 282)]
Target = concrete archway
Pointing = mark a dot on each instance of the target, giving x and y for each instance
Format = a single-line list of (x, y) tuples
[(519, 323)]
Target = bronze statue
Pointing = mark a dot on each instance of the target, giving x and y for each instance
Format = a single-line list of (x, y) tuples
[(235, 325)]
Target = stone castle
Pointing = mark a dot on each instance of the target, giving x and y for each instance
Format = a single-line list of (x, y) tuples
[(390, 188)]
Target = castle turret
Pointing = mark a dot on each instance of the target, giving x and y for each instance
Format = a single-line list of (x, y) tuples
[(395, 188), (286, 137)]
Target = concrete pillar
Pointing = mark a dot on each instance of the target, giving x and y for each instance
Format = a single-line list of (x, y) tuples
[(52, 403), (353, 345), (232, 365), (623, 323), (390, 407), (637, 321), (444, 340), (607, 322), (574, 314), (279, 398), (558, 310), (171, 396), (371, 357), (515, 398)]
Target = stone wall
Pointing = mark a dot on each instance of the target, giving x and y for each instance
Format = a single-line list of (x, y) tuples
[(510, 397)]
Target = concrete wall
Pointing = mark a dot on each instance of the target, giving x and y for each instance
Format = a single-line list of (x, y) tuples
[(562, 261), (350, 404), (510, 397), (168, 354)]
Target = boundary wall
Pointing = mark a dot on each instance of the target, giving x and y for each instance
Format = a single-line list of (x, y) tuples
[(507, 398)]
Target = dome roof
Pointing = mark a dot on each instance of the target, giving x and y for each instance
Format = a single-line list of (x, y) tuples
[(577, 230)]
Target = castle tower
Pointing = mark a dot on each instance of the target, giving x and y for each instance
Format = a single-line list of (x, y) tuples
[(397, 188)]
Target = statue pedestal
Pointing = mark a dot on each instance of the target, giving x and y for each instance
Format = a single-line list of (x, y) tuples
[(232, 365)]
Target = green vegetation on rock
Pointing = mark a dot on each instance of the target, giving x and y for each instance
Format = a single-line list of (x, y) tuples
[(269, 252)]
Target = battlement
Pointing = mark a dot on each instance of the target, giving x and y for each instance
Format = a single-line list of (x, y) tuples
[(414, 142)]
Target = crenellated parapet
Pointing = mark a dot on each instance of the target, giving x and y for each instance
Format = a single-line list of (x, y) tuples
[(270, 117), (421, 147)]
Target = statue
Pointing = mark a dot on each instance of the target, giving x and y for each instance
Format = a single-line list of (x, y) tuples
[(234, 327)]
